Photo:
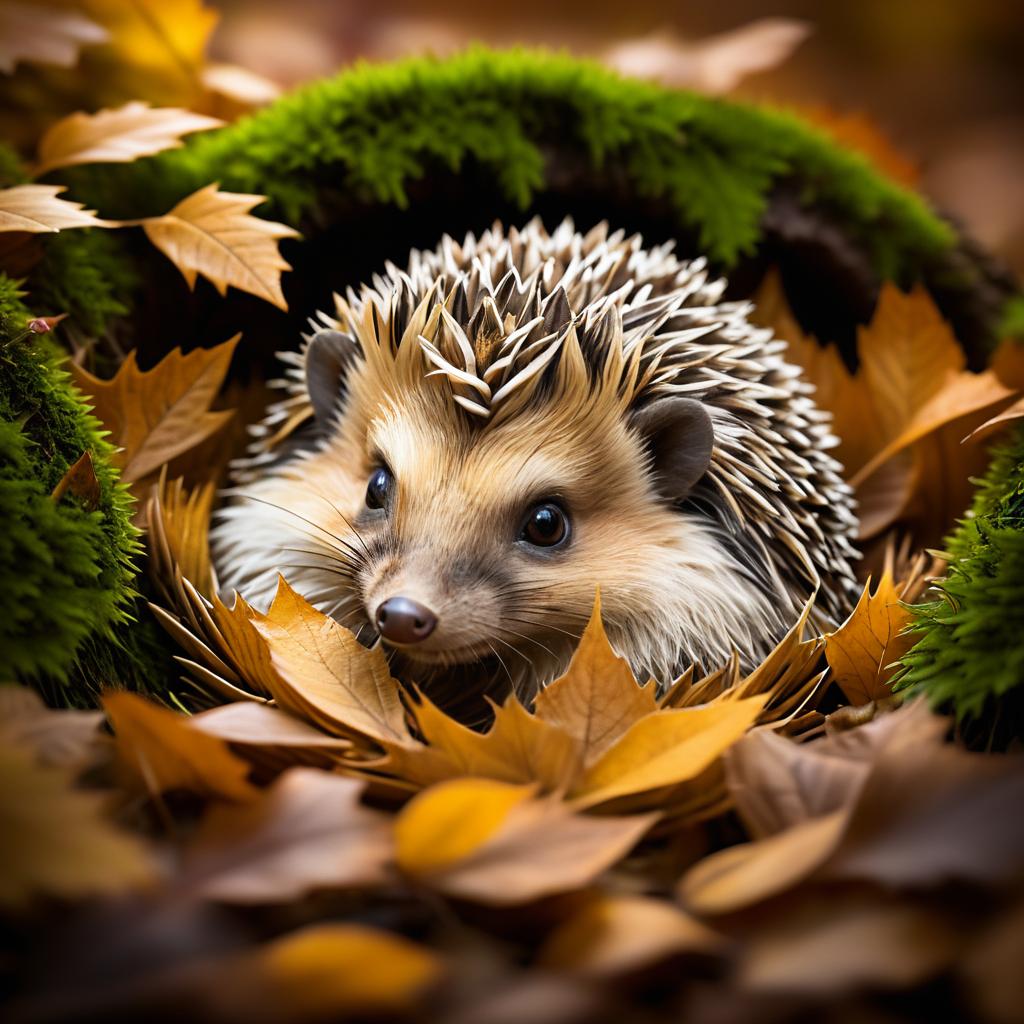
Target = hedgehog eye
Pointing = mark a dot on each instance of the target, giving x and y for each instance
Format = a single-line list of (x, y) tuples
[(546, 526), (379, 487)]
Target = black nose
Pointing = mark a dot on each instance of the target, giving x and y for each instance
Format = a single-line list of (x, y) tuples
[(404, 621)]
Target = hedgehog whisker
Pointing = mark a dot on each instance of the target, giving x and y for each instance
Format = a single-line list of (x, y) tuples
[(288, 511)]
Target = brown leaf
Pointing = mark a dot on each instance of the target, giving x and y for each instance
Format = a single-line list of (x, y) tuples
[(58, 739), (213, 233), (1011, 414), (80, 480), (324, 675), (666, 748), (863, 651), (117, 136), (307, 832), (156, 415), (37, 208), (598, 699), (617, 934), (44, 35), (496, 844), (56, 840), (159, 750), (246, 724)]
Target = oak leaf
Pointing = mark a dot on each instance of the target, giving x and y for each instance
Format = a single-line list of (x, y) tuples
[(306, 832), (496, 844), (159, 750), (39, 208), (117, 136), (616, 934), (56, 841), (598, 698), (213, 233), (156, 415), (863, 651), (44, 35)]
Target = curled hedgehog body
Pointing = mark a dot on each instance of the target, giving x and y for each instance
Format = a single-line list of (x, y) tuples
[(511, 422)]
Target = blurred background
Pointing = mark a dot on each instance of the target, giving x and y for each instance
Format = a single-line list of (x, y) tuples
[(931, 88)]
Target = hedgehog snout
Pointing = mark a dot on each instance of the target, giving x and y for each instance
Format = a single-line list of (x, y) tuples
[(404, 621)]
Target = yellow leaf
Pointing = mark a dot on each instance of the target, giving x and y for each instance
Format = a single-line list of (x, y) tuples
[(117, 136), (213, 233), (519, 747), (492, 843), (666, 748), (446, 823), (614, 934), (330, 971), (160, 750), (323, 674), (156, 415), (55, 840), (43, 35), (37, 209), (862, 650), (598, 698)]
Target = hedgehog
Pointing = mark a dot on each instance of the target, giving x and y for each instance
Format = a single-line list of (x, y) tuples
[(471, 446)]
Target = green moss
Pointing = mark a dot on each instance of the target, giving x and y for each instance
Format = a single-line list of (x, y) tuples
[(1012, 325), (373, 131), (67, 573), (12, 170), (971, 655)]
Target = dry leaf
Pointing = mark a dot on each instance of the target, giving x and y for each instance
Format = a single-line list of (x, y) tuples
[(38, 34), (716, 64), (213, 233), (598, 699), (307, 832), (338, 971), (324, 675), (863, 651), (493, 843), (55, 840), (117, 136), (617, 934), (182, 519), (80, 480), (1011, 414), (159, 750), (154, 416), (58, 739), (37, 208), (666, 748)]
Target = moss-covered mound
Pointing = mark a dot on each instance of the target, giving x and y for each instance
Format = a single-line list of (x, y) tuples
[(66, 573), (385, 157), (971, 657)]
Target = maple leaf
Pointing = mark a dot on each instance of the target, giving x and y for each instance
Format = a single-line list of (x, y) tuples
[(213, 233), (156, 415), (159, 750), (598, 698), (618, 934), (864, 650), (44, 35), (306, 832), (117, 136), (38, 209), (80, 480), (494, 843), (323, 674), (56, 840)]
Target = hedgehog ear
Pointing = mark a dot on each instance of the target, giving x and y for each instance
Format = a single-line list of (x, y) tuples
[(680, 437), (329, 357)]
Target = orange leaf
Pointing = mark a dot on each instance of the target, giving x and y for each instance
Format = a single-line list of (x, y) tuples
[(862, 650), (213, 233), (156, 415), (160, 750), (80, 480), (117, 136)]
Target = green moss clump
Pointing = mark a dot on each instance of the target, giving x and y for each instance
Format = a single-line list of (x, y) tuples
[(971, 655), (67, 572), (1012, 325)]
